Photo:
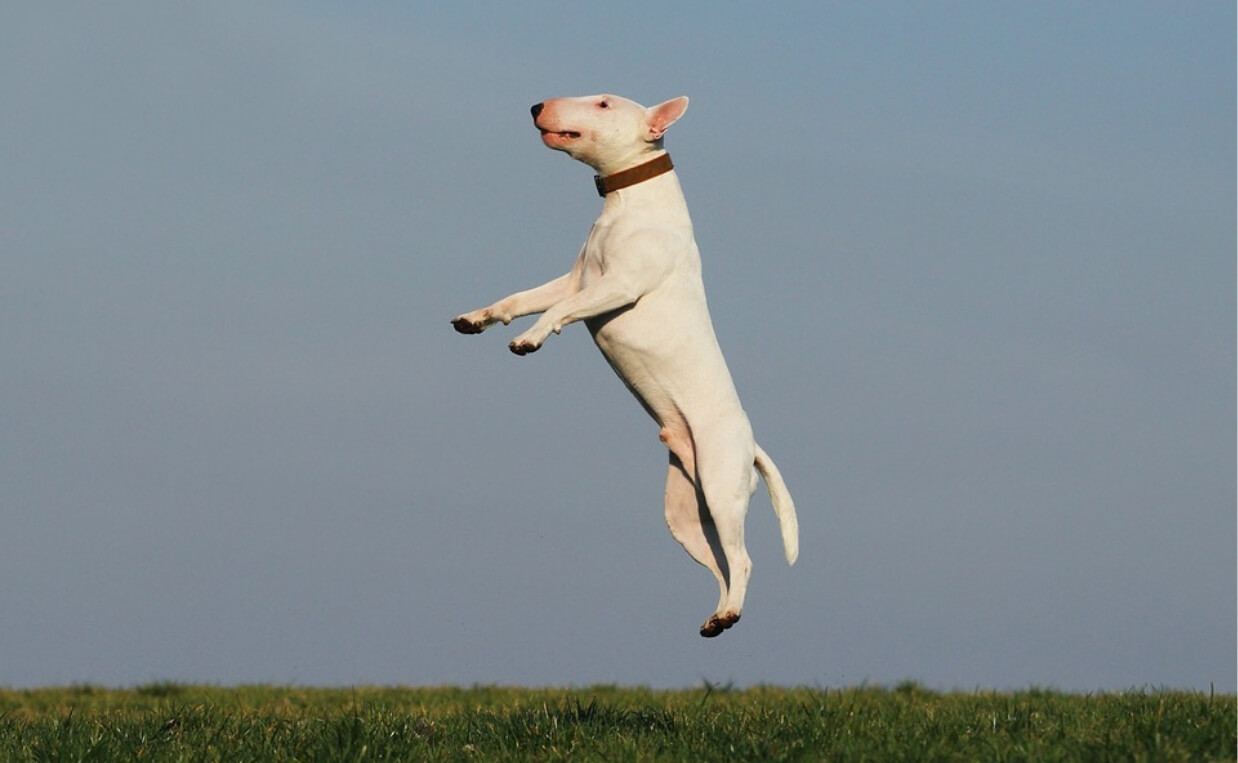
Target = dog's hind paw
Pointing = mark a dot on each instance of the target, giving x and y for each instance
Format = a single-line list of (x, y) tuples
[(718, 623)]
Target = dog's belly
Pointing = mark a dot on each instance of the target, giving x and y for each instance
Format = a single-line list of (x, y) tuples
[(664, 349)]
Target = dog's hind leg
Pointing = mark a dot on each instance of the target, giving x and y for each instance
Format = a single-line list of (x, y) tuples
[(726, 479), (691, 524)]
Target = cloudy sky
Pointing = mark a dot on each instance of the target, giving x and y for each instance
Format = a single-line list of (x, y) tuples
[(972, 264)]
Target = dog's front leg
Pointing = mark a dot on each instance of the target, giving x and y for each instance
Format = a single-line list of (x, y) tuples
[(526, 302), (601, 296)]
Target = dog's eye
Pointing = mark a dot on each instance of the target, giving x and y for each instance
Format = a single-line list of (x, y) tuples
[(603, 105)]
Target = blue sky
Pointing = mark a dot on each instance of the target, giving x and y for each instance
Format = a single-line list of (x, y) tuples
[(972, 266)]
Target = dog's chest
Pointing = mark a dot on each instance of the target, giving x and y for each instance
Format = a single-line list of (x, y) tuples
[(600, 252), (634, 238)]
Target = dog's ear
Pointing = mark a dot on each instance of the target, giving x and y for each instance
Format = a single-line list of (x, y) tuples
[(664, 115)]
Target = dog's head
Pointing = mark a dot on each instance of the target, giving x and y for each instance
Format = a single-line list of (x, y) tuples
[(606, 132)]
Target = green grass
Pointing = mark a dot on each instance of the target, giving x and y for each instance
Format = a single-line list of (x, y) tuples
[(172, 722)]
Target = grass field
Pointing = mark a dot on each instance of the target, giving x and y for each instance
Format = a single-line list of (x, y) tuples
[(167, 722)]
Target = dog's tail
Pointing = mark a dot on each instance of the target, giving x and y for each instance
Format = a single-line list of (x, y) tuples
[(784, 507)]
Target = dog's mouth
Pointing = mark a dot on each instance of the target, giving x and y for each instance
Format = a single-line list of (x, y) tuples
[(570, 134)]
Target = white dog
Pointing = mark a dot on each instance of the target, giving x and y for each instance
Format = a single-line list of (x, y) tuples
[(637, 285)]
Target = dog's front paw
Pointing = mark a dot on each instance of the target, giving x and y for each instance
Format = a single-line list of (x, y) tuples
[(522, 346), (529, 341), (472, 323)]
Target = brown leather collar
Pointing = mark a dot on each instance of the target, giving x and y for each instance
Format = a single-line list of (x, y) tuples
[(638, 174)]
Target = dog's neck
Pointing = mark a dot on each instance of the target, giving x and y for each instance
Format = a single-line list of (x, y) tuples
[(659, 165)]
